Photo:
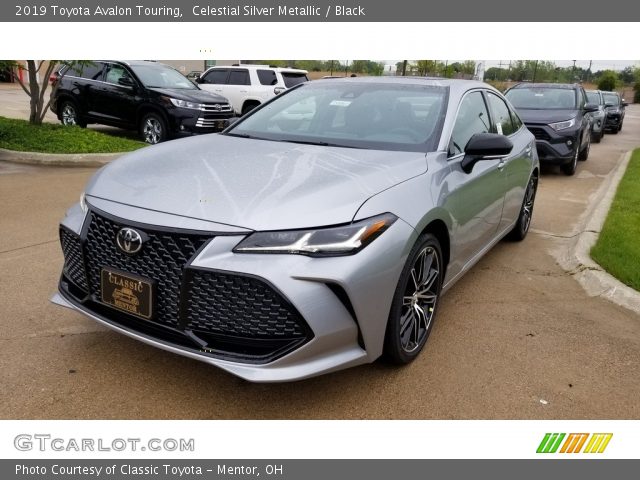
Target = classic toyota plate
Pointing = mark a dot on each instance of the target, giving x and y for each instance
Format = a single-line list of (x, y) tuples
[(127, 292)]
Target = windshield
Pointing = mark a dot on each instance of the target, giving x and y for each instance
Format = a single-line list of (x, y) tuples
[(349, 114), (593, 97), (160, 76), (542, 98), (611, 98)]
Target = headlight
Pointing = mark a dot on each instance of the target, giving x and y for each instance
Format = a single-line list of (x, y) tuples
[(83, 203), (185, 104), (563, 125), (323, 242)]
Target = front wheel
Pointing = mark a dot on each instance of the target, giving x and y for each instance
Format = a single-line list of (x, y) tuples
[(584, 153), (414, 302), (153, 128), (521, 227), (570, 168)]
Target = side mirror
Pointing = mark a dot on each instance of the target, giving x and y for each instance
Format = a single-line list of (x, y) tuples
[(485, 146), (591, 107), (126, 82), (197, 79)]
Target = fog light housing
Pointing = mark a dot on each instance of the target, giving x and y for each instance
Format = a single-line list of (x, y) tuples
[(569, 143)]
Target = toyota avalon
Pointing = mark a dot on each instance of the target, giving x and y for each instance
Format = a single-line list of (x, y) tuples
[(316, 233)]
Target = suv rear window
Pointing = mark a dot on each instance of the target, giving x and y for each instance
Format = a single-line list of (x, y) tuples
[(267, 77), (293, 79), (91, 71)]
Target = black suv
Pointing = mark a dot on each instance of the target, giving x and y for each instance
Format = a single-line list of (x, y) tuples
[(559, 117), (615, 108), (150, 97)]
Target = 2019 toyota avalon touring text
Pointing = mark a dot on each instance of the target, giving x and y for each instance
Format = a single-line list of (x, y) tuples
[(316, 233)]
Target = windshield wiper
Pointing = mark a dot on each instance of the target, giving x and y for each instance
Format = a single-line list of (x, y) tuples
[(319, 143), (244, 135)]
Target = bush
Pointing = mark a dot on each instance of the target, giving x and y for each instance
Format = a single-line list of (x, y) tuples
[(636, 94), (608, 81)]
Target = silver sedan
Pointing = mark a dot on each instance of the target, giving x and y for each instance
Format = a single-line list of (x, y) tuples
[(317, 233)]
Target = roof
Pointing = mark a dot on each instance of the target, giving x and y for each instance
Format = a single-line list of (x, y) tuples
[(566, 86), (455, 85)]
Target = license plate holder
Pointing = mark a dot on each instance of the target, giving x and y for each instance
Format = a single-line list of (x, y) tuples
[(127, 292)]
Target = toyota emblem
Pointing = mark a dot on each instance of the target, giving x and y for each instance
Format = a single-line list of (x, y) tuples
[(129, 240)]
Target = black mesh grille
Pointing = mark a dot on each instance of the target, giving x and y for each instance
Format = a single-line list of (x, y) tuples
[(539, 133), (73, 263), (241, 306), (163, 258)]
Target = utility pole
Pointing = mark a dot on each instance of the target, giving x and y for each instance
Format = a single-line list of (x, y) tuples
[(404, 68), (535, 70)]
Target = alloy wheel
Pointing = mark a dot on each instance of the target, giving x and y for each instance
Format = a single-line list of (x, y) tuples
[(69, 115), (420, 298), (527, 206), (152, 130)]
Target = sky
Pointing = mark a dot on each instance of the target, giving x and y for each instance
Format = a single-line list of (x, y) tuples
[(596, 65)]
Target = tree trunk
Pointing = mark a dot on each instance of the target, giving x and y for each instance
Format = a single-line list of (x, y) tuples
[(34, 88)]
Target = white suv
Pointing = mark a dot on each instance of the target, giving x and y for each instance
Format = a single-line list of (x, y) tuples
[(247, 86)]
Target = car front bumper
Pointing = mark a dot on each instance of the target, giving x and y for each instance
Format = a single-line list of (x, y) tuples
[(343, 302), (555, 148)]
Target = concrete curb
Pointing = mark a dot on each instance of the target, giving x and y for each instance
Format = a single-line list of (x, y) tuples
[(574, 254), (58, 159)]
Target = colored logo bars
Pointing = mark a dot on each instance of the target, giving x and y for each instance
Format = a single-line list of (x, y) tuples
[(597, 442)]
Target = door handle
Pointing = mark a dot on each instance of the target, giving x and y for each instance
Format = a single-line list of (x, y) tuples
[(527, 150)]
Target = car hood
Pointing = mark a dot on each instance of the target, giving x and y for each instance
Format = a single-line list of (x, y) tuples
[(194, 95), (253, 184), (545, 116)]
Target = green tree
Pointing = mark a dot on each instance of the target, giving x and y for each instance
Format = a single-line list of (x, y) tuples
[(608, 80), (35, 90)]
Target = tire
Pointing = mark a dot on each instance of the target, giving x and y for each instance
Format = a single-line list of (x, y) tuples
[(584, 153), (153, 128), (521, 228), (69, 114), (248, 106), (614, 130), (620, 127), (597, 138), (570, 168), (411, 317)]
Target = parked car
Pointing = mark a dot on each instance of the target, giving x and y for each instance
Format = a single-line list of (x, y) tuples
[(193, 74), (598, 118), (615, 111), (247, 86), (560, 118), (278, 250), (150, 97)]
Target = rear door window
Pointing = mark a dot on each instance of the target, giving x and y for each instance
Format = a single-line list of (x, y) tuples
[(239, 77), (501, 119), (267, 77), (292, 79)]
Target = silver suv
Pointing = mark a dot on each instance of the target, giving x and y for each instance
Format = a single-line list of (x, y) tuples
[(247, 86)]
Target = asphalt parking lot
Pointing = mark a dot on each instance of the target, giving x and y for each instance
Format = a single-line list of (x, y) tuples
[(516, 338)]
